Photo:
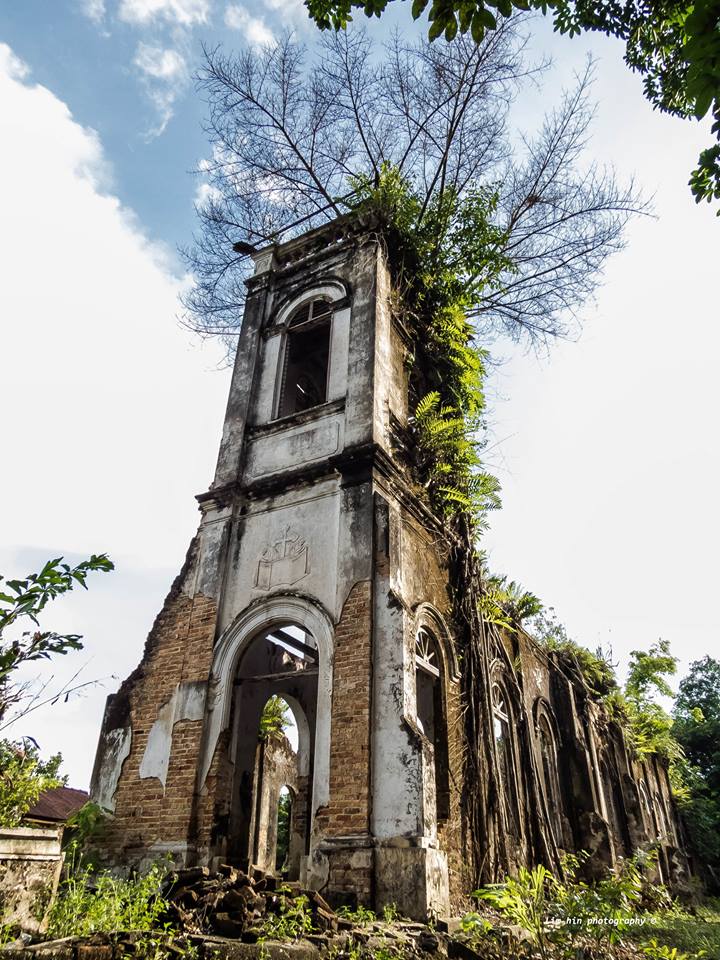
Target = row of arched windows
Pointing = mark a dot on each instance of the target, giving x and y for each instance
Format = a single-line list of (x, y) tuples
[(430, 717)]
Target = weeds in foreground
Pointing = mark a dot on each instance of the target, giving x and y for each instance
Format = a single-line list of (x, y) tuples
[(90, 902), (695, 934), (359, 915), (525, 901), (8, 933), (553, 912), (293, 921), (475, 926), (390, 913)]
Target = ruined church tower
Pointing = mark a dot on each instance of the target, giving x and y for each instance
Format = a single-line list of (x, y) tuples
[(319, 579), (316, 576)]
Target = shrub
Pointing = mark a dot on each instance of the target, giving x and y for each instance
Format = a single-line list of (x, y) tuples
[(292, 922), (90, 902), (23, 777), (524, 900)]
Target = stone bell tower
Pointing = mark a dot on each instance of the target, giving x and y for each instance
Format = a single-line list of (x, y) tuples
[(316, 576)]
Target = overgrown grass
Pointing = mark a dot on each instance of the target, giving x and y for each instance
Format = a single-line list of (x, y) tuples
[(558, 915), (293, 921), (690, 933), (98, 902)]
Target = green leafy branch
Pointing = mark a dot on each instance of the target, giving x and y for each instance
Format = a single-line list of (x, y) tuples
[(28, 598)]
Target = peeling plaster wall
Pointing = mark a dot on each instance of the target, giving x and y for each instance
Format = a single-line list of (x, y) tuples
[(113, 750), (186, 703)]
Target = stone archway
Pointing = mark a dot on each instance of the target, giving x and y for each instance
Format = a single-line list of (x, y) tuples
[(283, 646)]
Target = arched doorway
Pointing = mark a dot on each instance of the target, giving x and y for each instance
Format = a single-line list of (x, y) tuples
[(273, 745), (615, 807), (284, 829)]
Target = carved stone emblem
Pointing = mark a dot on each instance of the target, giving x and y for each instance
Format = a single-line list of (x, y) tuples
[(283, 562)]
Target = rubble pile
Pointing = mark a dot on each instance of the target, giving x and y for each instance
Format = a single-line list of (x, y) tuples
[(233, 904), (260, 907)]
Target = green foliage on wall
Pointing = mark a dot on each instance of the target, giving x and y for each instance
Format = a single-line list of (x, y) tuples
[(443, 251)]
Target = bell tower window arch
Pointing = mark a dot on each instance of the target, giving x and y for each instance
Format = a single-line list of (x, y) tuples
[(305, 360)]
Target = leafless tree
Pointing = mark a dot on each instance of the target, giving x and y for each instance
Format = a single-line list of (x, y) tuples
[(289, 133)]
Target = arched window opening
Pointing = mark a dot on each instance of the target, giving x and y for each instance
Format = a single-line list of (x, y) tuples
[(430, 716), (506, 755), (665, 823), (274, 730), (615, 810), (283, 830), (551, 782), (646, 809), (304, 379)]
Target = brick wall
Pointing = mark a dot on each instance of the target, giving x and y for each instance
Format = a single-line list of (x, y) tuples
[(350, 879), (349, 809), (179, 649)]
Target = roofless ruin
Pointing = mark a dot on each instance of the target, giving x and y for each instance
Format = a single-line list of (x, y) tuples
[(319, 575)]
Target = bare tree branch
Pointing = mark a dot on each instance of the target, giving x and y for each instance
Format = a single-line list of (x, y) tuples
[(288, 136)]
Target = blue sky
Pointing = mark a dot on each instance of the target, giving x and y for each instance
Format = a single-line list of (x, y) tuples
[(606, 448)]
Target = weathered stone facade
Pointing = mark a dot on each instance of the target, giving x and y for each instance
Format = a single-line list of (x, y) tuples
[(319, 575)]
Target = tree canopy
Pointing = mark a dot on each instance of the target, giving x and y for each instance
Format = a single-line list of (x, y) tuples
[(25, 599), (296, 143), (697, 729), (673, 44)]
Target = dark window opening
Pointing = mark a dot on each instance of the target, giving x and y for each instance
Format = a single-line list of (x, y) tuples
[(615, 810), (306, 359), (506, 756), (548, 754), (430, 715)]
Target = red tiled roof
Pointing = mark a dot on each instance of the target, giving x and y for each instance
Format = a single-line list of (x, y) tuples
[(58, 804)]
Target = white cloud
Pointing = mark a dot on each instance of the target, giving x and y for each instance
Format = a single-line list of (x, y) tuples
[(165, 75), (93, 9), (114, 411), (159, 63), (205, 192), (294, 9), (12, 67), (254, 28), (185, 13)]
